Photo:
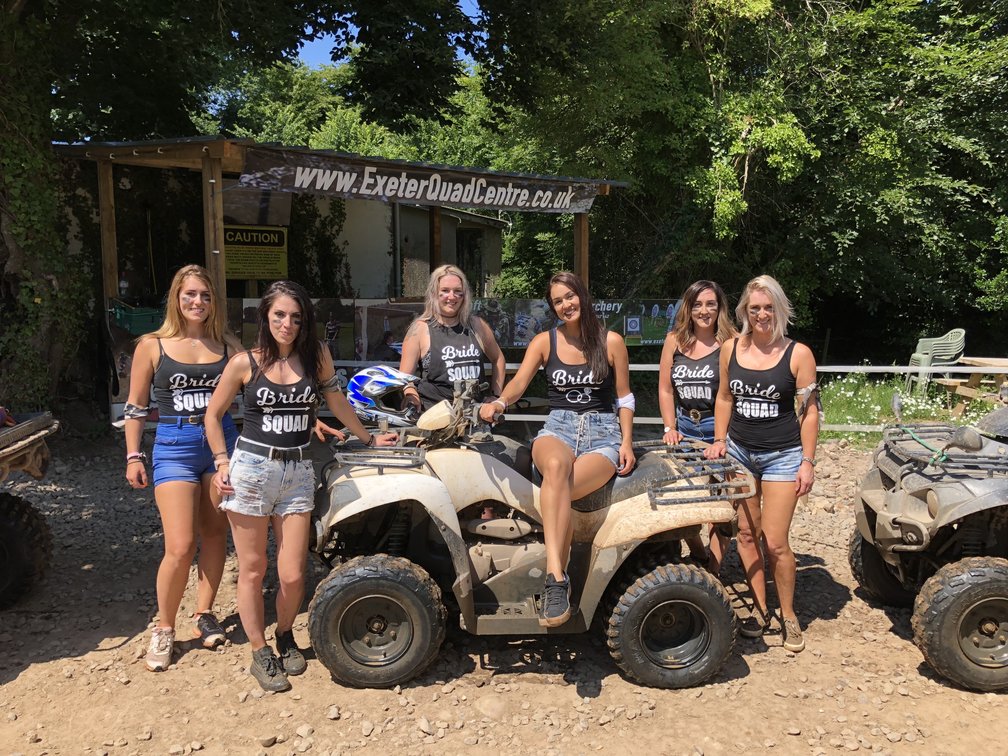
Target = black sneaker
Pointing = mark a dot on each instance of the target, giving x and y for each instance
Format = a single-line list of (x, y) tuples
[(268, 672), (555, 602), (211, 632), (753, 626), (291, 658)]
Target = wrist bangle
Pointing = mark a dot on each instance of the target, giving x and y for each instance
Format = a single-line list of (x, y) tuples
[(721, 441), (370, 440), (219, 462), (501, 402), (131, 461), (136, 457), (810, 460), (218, 455)]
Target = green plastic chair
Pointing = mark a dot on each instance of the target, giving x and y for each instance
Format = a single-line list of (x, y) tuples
[(943, 350)]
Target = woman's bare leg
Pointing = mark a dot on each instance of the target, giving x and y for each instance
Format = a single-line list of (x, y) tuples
[(291, 534), (177, 501), (748, 542), (249, 535), (555, 461), (779, 501), (213, 527)]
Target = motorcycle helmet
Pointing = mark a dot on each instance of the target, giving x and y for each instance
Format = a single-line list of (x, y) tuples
[(376, 393)]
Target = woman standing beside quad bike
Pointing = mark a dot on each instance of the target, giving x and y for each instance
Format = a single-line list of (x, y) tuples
[(688, 381), (582, 443), (269, 477), (183, 359), (762, 373)]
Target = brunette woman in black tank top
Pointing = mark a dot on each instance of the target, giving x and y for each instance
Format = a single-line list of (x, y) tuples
[(184, 359), (688, 379), (755, 420), (270, 478), (583, 444)]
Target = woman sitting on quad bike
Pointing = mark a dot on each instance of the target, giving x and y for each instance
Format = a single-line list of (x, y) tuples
[(581, 445), (449, 342)]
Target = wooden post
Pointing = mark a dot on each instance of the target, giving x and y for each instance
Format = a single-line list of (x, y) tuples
[(434, 236), (213, 228), (106, 214), (581, 246)]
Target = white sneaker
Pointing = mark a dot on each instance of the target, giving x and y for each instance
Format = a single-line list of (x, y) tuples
[(159, 654)]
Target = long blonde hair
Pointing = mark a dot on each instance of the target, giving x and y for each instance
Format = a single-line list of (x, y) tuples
[(783, 313), (174, 323), (430, 311), (683, 327)]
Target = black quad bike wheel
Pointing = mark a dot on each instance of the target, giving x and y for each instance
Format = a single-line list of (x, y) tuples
[(672, 628), (25, 548), (376, 621), (960, 623), (872, 574)]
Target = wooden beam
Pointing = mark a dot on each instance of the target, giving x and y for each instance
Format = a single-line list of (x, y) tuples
[(581, 246), (106, 215), (213, 228), (434, 236)]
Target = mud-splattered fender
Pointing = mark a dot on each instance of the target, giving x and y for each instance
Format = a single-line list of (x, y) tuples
[(345, 497)]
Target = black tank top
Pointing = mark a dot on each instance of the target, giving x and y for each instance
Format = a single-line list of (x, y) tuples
[(454, 355), (696, 381), (573, 387), (182, 389), (763, 413), (278, 414)]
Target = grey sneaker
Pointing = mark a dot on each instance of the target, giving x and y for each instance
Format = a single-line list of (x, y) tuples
[(793, 639), (267, 671), (159, 653), (211, 632), (291, 658), (555, 608), (753, 626)]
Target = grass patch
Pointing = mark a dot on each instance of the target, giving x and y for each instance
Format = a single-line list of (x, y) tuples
[(860, 399)]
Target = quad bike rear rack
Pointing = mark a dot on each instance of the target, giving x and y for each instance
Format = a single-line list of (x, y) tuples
[(702, 480)]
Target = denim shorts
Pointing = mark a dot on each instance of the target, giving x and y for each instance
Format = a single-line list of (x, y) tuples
[(589, 432), (265, 487), (702, 431), (780, 465), (181, 452)]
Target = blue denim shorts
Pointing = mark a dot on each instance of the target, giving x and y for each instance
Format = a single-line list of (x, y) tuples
[(779, 465), (264, 487), (589, 432), (703, 431), (181, 451)]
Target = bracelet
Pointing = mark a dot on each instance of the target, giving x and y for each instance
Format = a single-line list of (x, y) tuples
[(810, 460), (219, 462), (370, 441), (131, 461), (218, 455), (501, 402), (720, 441), (668, 428), (136, 457)]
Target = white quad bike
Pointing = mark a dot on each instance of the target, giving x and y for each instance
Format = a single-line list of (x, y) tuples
[(450, 519)]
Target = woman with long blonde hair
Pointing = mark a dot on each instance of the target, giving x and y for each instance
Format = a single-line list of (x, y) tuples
[(448, 342), (183, 360)]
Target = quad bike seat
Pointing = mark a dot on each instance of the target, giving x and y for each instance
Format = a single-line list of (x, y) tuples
[(518, 457)]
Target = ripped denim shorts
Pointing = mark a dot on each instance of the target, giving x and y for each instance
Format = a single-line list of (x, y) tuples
[(264, 487), (589, 432)]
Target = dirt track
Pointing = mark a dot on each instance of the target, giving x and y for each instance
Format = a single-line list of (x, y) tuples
[(72, 677)]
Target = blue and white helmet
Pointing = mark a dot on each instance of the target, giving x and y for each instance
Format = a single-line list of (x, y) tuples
[(376, 393)]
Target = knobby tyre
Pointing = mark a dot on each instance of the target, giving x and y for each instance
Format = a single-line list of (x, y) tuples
[(672, 628), (376, 621), (25, 548), (960, 623)]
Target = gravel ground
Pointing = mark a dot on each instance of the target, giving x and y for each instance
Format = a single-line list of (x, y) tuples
[(72, 677)]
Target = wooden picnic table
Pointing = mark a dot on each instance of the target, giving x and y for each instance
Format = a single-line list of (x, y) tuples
[(970, 387)]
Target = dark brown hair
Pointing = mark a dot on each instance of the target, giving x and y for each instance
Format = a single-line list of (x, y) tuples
[(683, 328), (593, 333), (306, 345)]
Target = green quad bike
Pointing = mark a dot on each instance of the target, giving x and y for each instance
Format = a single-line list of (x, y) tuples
[(448, 524), (25, 541), (932, 533)]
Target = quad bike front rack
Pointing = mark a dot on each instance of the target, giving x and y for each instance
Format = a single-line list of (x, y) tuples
[(382, 456), (921, 444), (702, 480)]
